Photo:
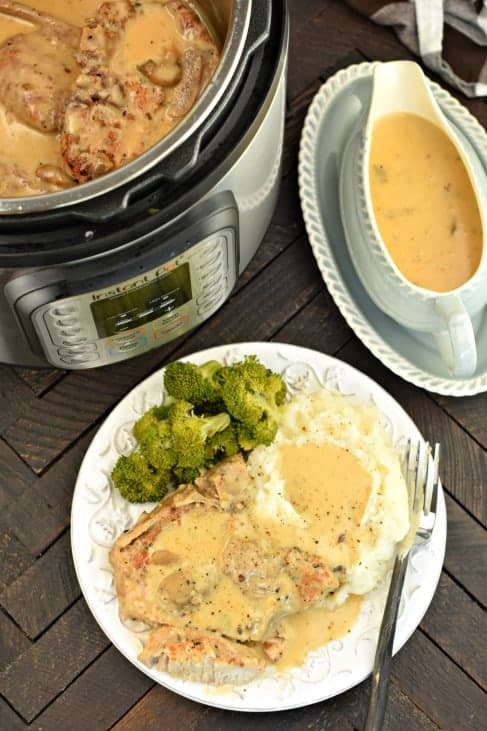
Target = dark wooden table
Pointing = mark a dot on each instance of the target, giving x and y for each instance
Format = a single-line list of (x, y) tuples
[(59, 670)]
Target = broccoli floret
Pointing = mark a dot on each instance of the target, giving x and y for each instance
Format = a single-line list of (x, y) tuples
[(173, 448), (153, 433), (245, 439), (253, 394), (212, 412), (185, 475), (222, 444), (190, 433), (189, 382), (137, 481), (146, 429), (263, 432)]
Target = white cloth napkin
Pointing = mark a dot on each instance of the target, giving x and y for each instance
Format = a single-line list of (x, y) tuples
[(449, 35)]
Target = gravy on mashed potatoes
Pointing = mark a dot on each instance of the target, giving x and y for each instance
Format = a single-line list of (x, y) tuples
[(424, 204), (331, 482)]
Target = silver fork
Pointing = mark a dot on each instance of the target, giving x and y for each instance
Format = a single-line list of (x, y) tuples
[(421, 472)]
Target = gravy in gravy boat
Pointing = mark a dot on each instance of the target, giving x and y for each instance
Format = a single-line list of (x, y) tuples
[(424, 203)]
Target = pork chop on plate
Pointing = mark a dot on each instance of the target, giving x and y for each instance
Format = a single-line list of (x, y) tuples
[(211, 581)]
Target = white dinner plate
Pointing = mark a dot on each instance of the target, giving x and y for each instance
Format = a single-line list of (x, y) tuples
[(99, 515), (333, 115)]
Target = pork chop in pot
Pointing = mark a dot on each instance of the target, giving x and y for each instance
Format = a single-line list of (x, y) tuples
[(143, 65), (38, 69), (79, 102)]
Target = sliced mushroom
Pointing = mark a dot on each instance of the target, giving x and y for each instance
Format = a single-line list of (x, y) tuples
[(54, 175), (165, 73), (184, 94), (163, 557), (177, 588)]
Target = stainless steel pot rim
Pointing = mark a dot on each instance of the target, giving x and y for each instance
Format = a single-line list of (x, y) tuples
[(232, 52)]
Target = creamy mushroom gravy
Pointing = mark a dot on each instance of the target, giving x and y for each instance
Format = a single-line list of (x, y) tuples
[(22, 148), (72, 11), (328, 486), (329, 490), (307, 631), (424, 204), (24, 151)]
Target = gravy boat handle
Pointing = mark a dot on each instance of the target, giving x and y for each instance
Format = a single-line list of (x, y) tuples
[(456, 343)]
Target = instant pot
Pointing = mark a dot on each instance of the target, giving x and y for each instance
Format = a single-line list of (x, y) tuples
[(107, 270)]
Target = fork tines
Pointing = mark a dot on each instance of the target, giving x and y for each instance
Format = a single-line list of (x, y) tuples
[(423, 479)]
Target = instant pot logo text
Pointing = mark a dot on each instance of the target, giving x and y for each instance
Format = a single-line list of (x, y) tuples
[(132, 284)]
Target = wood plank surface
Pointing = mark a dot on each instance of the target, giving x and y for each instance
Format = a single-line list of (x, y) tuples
[(58, 671), (110, 677), (9, 720), (47, 667), (466, 555), (449, 698), (13, 642), (453, 622), (44, 591)]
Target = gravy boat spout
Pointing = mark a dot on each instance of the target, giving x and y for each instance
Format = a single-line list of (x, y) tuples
[(401, 86)]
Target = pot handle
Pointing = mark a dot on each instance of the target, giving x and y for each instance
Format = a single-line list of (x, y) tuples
[(107, 206), (259, 27)]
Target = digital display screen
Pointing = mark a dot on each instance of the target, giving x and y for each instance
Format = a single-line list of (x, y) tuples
[(124, 310)]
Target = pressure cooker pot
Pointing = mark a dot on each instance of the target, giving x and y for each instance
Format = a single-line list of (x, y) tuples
[(108, 269)]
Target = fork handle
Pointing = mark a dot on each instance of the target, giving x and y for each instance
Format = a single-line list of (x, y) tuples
[(383, 655)]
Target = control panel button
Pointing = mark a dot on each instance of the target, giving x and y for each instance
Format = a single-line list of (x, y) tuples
[(125, 347), (81, 348), (211, 254), (206, 250), (73, 340), (205, 307), (79, 358), (208, 305), (210, 295), (124, 323), (126, 339), (168, 328), (211, 273), (67, 321), (68, 331), (62, 310), (214, 285), (210, 261)]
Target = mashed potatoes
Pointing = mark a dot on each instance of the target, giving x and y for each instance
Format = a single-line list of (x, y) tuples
[(332, 483)]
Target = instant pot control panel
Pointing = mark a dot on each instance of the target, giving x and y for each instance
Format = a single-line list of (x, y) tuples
[(136, 315), (130, 315)]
